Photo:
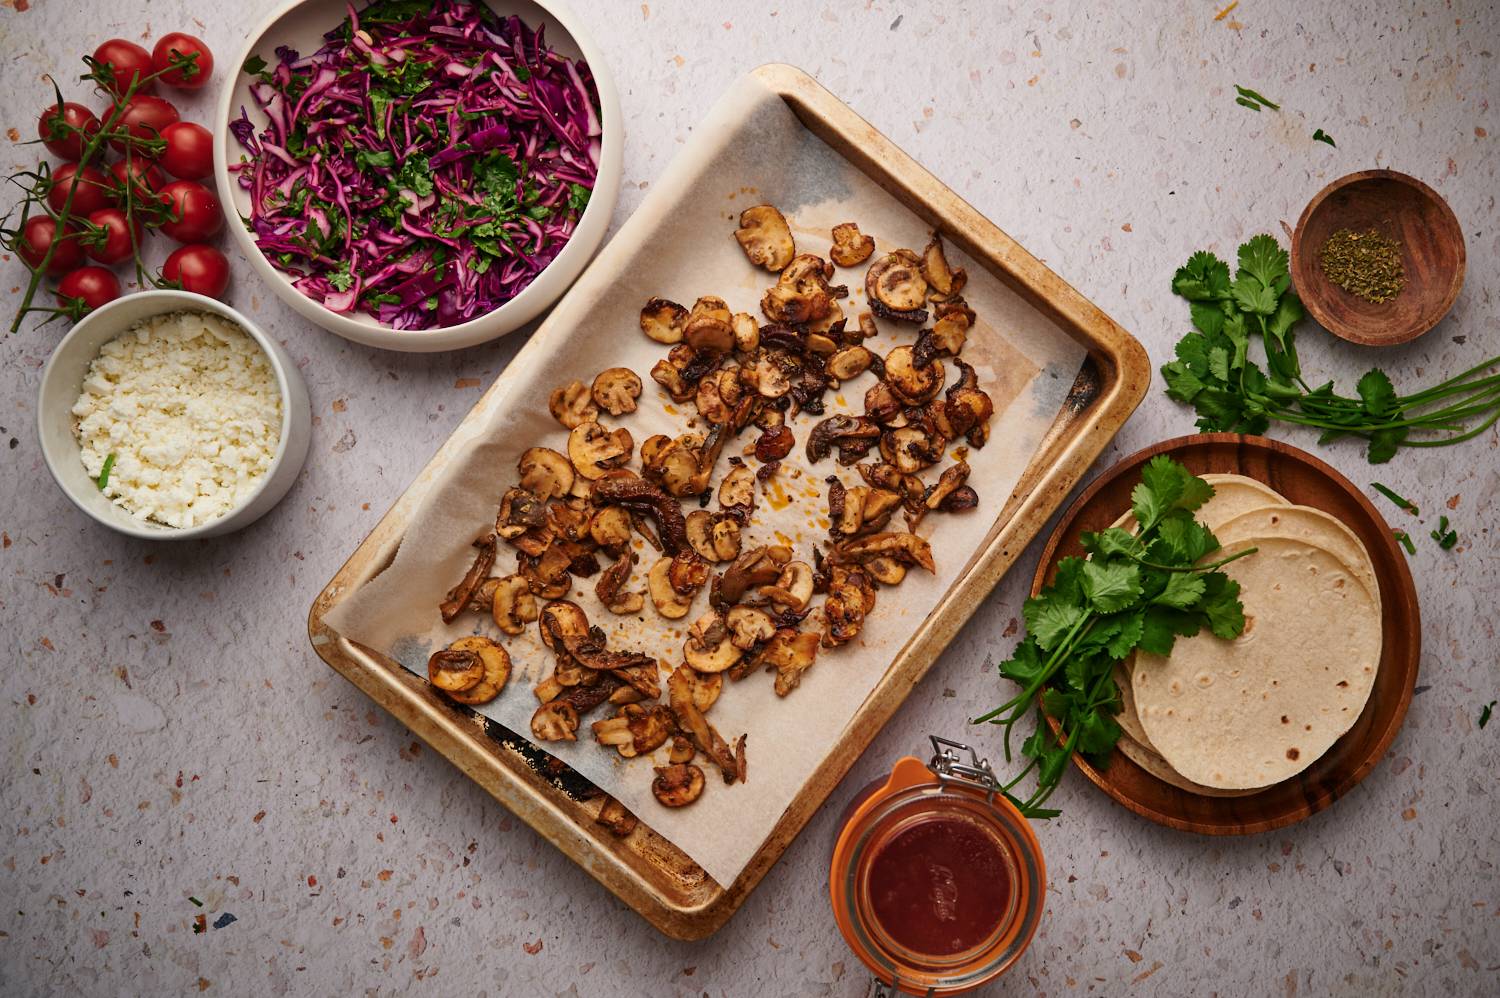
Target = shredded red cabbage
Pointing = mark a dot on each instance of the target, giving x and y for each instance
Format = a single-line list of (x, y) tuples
[(424, 165)]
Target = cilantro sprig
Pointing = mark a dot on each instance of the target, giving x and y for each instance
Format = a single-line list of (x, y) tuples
[(1232, 393), (1141, 589)]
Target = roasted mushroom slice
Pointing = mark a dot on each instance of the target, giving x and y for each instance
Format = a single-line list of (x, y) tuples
[(883, 405), (672, 464), (715, 536), (595, 450), (561, 620), (944, 281), (706, 687), (635, 730), (772, 373), (687, 573), (495, 661), (911, 449), (912, 382), (610, 528), (849, 362), (749, 626), (555, 721), (853, 435), (737, 490), (548, 574), (514, 606), (677, 785), (545, 473), (669, 375), (951, 328), (663, 321), (843, 613), (790, 653), (682, 750), (863, 330), (458, 598), (667, 600), (773, 445), (850, 246), (886, 571), (616, 818), (797, 302), (864, 509), (639, 495), (692, 723), (453, 671), (572, 404), (757, 567), (943, 492), (765, 237), (709, 334), (522, 520), (708, 647), (792, 589), (968, 407), (895, 287), (908, 549), (746, 332), (615, 390), (611, 587)]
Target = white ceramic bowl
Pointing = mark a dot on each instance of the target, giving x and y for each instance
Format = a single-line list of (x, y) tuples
[(62, 381), (301, 25)]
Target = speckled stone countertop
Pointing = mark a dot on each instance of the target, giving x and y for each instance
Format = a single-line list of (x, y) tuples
[(170, 739)]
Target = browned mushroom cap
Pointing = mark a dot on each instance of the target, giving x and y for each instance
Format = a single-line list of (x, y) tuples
[(774, 444), (663, 320), (682, 750), (950, 481), (737, 490), (746, 332), (969, 408), (862, 509), (561, 620), (895, 287), (912, 383), (749, 626), (853, 435), (909, 549), (545, 473), (843, 613), (765, 237), (610, 527), (635, 730), (677, 785), (951, 329), (792, 589), (522, 520), (715, 536), (595, 450), (757, 567), (452, 670), (669, 375), (615, 390), (708, 647), (790, 653), (710, 335), (555, 721), (886, 571), (706, 687), (571, 404), (459, 596), (611, 587), (944, 280), (771, 374), (849, 362), (850, 247), (614, 817), (513, 606), (911, 448), (667, 600), (496, 663), (795, 303), (687, 572)]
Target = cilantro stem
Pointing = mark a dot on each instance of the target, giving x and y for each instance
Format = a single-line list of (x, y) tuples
[(1197, 568)]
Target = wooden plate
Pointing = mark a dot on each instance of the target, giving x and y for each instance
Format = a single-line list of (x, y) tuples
[(1306, 480), (1432, 254)]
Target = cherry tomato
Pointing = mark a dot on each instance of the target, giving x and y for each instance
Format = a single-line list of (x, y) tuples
[(200, 268), (196, 214), (38, 234), (92, 189), (146, 117), (148, 179), (193, 77), (127, 61), (116, 246), (65, 143), (94, 286), (190, 150)]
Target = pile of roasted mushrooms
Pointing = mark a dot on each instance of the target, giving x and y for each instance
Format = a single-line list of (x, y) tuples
[(690, 507)]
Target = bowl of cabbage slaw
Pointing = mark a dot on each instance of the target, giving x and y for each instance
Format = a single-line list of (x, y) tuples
[(415, 175)]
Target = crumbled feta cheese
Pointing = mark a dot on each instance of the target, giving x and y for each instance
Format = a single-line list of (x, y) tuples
[(187, 403)]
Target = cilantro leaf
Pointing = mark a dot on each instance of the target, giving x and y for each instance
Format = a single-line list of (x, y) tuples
[(1111, 586), (1162, 626), (1484, 714), (1253, 296), (1115, 540), (578, 198), (1204, 277), (254, 66), (1128, 628), (1183, 539), (1321, 136), (1050, 620), (1182, 591), (1221, 604), (1377, 393), (1025, 664), (1097, 733), (1263, 259)]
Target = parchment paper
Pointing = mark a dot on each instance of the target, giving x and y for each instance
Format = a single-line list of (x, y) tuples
[(679, 245)]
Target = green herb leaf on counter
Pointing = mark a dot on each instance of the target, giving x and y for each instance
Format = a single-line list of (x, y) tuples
[(1249, 98), (1484, 715), (1405, 541), (1213, 370), (1400, 500), (1140, 588), (1322, 136), (1445, 537), (109, 465)]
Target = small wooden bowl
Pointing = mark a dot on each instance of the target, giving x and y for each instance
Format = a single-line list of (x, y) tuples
[(1305, 480), (1432, 253)]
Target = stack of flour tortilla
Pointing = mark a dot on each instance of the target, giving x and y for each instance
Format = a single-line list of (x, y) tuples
[(1228, 718)]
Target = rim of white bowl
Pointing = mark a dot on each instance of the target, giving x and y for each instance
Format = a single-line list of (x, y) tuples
[(173, 301), (532, 300)]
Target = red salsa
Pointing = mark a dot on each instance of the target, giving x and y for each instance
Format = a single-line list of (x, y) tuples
[(941, 886)]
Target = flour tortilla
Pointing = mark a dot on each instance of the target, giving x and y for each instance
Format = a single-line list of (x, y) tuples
[(1248, 713), (1306, 523), (1234, 496)]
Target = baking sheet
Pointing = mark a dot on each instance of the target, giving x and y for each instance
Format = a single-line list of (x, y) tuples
[(751, 149)]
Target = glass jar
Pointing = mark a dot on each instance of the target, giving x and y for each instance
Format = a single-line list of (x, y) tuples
[(937, 881)]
